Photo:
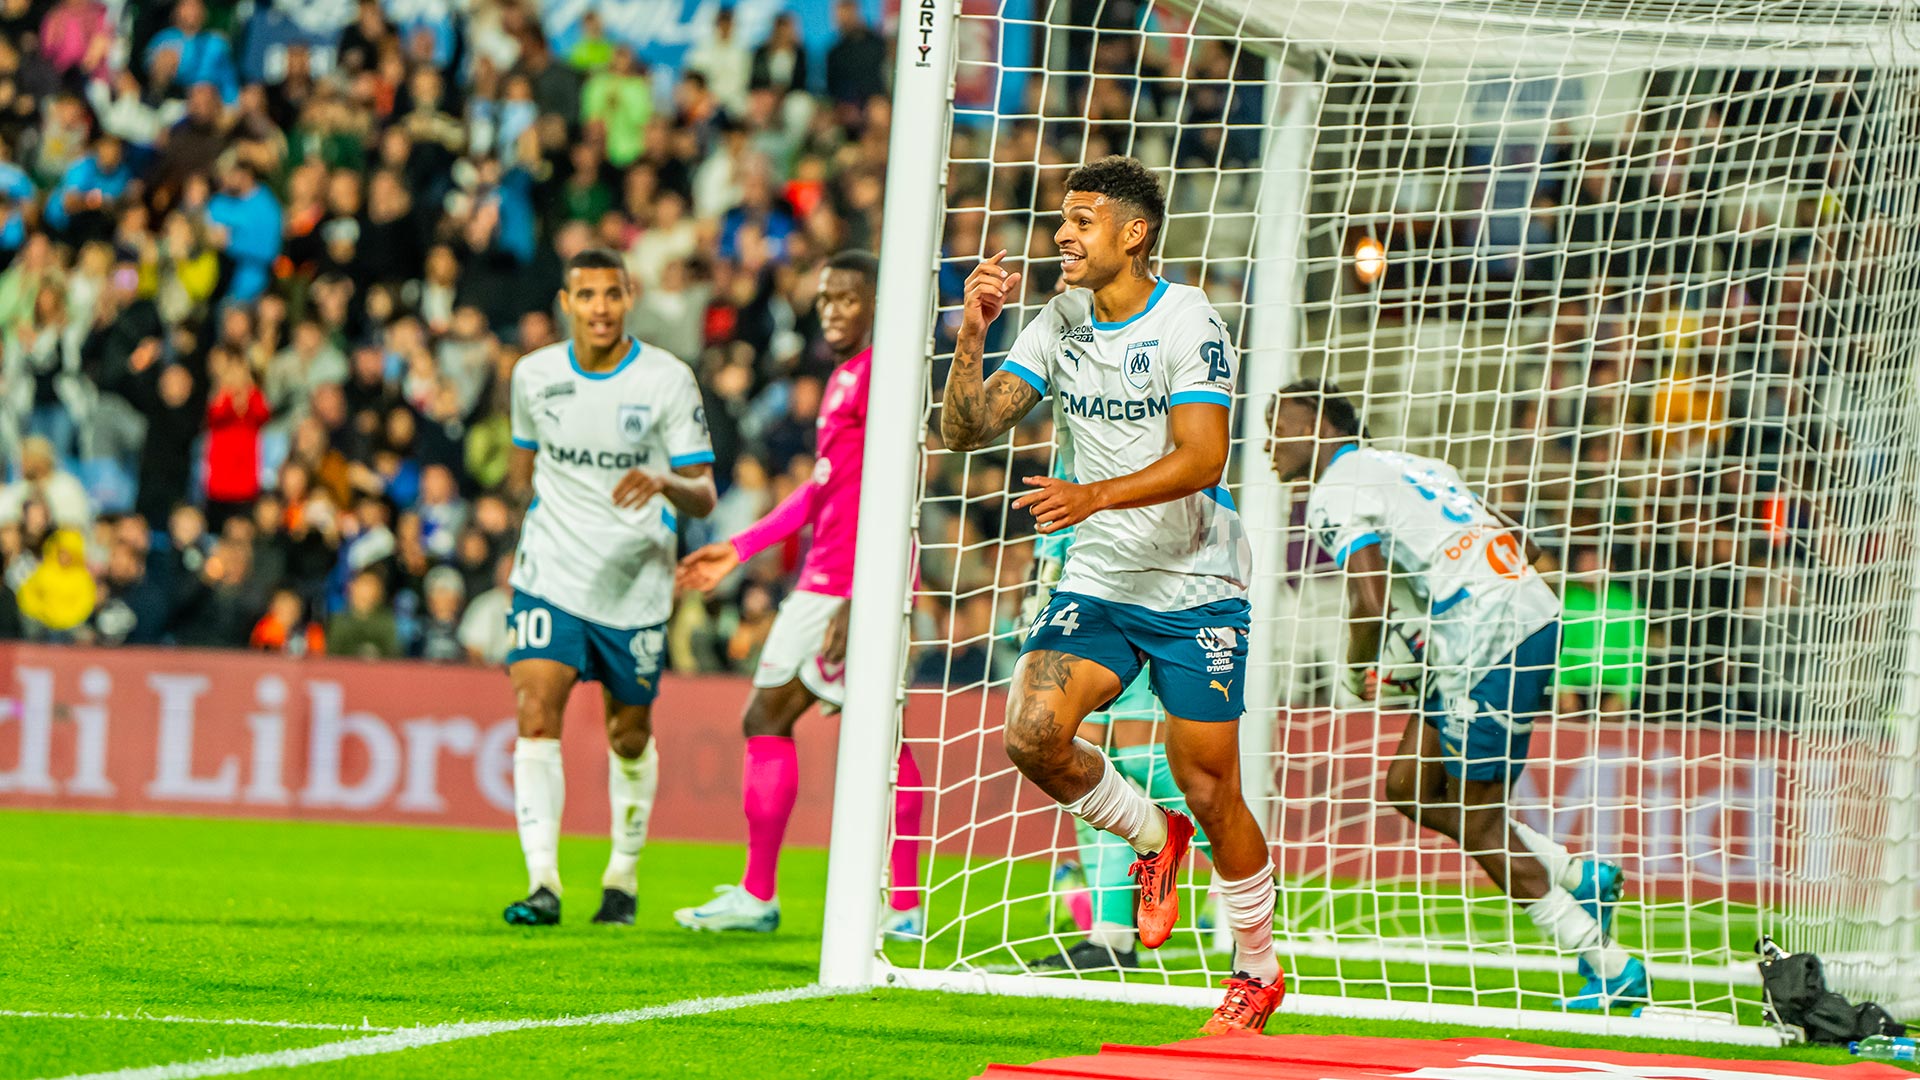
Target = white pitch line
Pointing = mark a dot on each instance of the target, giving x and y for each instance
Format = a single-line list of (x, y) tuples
[(414, 1038), (26, 1014)]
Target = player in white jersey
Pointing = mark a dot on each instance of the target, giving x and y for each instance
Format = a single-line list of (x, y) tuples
[(1144, 374), (1492, 644), (610, 440)]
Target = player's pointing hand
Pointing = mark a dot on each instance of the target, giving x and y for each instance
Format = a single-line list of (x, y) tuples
[(1058, 504), (988, 288)]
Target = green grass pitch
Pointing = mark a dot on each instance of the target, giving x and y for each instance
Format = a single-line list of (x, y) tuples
[(399, 928)]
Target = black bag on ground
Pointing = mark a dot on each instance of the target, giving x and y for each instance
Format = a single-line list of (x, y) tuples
[(1794, 984), (1797, 994)]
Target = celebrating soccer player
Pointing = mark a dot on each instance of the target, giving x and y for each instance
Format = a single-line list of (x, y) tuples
[(1159, 572), (804, 658), (1493, 640), (621, 444)]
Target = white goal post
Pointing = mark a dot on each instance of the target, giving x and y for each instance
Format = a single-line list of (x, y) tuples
[(1647, 272)]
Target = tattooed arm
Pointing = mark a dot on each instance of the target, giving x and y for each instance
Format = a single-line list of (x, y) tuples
[(975, 410)]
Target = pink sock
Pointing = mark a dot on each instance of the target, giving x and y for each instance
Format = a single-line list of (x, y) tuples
[(769, 784), (907, 800)]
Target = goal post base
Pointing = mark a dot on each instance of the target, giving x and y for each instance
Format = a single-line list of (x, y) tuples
[(1201, 997)]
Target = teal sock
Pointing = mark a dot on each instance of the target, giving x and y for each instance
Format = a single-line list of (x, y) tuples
[(1147, 766), (1105, 858)]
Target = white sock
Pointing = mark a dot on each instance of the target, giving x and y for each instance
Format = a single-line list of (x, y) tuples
[(1562, 868), (631, 783), (1118, 807), (1116, 936), (539, 794), (1562, 918), (1249, 909)]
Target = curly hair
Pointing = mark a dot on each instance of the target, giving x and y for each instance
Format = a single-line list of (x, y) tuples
[(1323, 396), (1125, 181)]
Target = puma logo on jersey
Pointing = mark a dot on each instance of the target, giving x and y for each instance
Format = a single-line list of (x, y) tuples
[(1215, 685)]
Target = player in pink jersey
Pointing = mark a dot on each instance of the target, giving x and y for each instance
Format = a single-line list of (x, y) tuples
[(804, 658)]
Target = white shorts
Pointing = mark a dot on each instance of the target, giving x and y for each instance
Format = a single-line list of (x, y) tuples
[(793, 648)]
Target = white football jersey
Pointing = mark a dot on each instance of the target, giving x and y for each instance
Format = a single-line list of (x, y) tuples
[(1466, 572), (578, 551), (1113, 384)]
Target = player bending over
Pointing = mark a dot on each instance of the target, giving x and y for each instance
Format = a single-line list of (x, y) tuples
[(804, 659), (621, 444), (1144, 373), (1492, 644), (1131, 732)]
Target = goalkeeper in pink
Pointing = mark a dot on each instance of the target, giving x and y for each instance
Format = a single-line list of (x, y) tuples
[(804, 659)]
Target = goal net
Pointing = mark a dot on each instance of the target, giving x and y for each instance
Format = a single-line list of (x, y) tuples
[(1645, 272)]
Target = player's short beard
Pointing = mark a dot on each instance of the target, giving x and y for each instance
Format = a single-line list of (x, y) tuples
[(852, 347)]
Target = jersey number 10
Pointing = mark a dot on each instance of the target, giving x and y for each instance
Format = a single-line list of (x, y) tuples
[(532, 629)]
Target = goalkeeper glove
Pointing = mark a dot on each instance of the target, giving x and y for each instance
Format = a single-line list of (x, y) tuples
[(1046, 574), (1355, 678)]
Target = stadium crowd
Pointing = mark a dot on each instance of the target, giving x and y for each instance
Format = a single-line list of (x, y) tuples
[(257, 335)]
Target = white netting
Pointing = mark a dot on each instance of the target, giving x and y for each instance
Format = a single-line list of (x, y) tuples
[(1646, 274)]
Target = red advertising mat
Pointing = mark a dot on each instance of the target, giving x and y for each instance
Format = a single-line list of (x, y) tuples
[(1336, 1057)]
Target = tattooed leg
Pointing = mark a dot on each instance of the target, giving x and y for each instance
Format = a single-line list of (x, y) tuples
[(1052, 693)]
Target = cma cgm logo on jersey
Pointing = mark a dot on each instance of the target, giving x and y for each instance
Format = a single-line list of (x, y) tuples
[(605, 459), (1095, 407)]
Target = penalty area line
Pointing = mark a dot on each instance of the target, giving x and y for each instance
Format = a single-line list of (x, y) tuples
[(401, 1039), (217, 1021)]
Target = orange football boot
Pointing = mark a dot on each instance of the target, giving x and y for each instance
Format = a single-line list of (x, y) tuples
[(1156, 898), (1249, 1002)]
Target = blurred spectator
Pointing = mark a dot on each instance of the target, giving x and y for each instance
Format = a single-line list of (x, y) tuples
[(484, 633), (780, 63), (245, 219), (726, 64), (174, 404), (286, 629), (308, 362), (366, 629), (857, 62), (124, 111), (616, 104), (46, 393), (76, 36), (443, 513), (42, 482), (592, 51), (80, 207), (236, 411), (188, 54), (439, 637), (217, 605), (59, 595)]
